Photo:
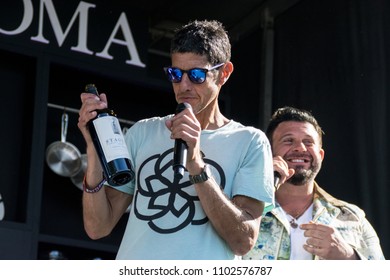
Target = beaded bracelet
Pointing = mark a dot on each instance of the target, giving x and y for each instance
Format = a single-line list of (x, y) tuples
[(95, 189)]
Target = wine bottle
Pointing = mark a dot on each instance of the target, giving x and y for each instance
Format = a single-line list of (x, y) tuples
[(110, 145)]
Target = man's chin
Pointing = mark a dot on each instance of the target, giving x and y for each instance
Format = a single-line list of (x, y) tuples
[(300, 178)]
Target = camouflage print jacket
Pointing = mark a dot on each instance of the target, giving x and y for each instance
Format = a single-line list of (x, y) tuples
[(350, 221)]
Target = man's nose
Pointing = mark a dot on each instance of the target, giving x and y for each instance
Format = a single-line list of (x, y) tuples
[(300, 146), (185, 82)]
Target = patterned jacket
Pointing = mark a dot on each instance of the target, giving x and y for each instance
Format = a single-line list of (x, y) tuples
[(348, 219)]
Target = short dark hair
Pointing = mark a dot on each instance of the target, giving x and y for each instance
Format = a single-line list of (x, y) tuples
[(206, 37), (287, 113)]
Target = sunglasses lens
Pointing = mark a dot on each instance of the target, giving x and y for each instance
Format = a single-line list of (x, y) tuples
[(174, 74), (197, 76)]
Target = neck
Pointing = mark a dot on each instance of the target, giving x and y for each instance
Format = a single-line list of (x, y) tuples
[(295, 199), (211, 118)]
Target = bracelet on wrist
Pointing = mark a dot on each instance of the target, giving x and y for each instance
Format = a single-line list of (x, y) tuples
[(95, 189)]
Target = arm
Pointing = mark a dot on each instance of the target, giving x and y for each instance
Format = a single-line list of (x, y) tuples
[(103, 209), (236, 221), (369, 248)]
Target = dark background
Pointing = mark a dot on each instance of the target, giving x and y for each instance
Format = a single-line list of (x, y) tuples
[(328, 57)]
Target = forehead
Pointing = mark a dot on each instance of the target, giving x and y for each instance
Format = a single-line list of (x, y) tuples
[(294, 128), (188, 60)]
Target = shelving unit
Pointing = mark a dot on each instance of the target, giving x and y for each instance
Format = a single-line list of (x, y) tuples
[(43, 211)]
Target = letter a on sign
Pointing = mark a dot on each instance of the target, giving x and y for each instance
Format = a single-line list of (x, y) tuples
[(128, 42)]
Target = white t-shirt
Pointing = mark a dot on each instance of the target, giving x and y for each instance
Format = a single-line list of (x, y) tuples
[(166, 220), (297, 237)]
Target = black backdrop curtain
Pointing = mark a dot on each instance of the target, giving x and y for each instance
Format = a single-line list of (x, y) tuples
[(331, 58)]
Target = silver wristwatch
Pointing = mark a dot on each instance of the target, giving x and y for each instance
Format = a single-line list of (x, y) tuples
[(202, 177)]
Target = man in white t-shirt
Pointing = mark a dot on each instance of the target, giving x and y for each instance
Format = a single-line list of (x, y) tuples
[(214, 211)]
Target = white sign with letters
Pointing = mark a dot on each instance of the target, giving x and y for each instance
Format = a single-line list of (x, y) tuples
[(81, 14)]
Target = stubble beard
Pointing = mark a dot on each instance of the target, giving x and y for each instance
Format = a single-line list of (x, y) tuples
[(303, 176)]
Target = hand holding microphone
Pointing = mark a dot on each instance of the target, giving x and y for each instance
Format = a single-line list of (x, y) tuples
[(276, 179), (282, 172), (180, 149)]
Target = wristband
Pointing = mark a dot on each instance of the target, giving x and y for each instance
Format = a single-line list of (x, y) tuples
[(95, 189)]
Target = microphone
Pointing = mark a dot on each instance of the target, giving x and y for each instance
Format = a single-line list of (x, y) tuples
[(276, 179), (180, 149)]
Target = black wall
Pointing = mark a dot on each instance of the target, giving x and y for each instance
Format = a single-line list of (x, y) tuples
[(330, 58)]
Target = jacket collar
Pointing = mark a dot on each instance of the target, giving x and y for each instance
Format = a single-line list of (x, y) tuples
[(325, 208)]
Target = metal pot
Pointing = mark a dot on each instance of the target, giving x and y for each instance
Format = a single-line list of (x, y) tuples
[(77, 179), (63, 157)]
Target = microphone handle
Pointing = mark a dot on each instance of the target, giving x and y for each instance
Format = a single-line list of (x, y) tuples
[(276, 179), (179, 158), (180, 149)]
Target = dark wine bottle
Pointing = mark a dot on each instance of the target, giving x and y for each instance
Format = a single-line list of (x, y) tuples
[(110, 145)]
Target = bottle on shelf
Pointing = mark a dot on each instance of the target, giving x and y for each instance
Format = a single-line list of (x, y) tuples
[(110, 145)]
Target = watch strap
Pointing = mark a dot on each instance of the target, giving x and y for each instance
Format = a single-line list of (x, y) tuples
[(202, 177)]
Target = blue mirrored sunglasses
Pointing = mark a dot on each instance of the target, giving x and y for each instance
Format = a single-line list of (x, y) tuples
[(196, 75)]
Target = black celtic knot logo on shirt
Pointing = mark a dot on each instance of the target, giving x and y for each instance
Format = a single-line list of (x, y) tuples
[(168, 204)]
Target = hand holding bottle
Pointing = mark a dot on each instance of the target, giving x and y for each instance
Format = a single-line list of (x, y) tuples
[(106, 135), (90, 103)]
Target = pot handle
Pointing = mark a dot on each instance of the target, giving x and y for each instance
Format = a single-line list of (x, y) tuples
[(64, 126)]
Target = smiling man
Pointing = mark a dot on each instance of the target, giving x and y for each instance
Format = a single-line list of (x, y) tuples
[(308, 223)]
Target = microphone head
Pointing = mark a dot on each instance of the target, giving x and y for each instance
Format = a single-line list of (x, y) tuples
[(182, 106)]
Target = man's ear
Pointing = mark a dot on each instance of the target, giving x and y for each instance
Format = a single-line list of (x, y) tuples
[(322, 153), (227, 70)]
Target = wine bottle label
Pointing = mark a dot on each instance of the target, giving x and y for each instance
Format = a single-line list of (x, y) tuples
[(111, 138)]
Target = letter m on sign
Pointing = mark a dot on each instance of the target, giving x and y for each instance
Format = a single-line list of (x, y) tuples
[(81, 12)]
